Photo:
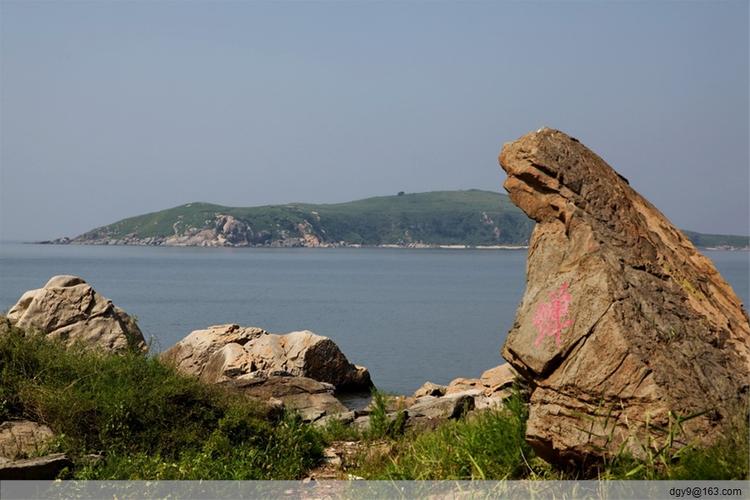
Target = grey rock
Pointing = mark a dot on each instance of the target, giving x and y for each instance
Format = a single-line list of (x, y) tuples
[(70, 310), (446, 407), (46, 467), (224, 352), (430, 389), (22, 438)]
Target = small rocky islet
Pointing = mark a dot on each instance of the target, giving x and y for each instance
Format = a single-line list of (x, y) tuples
[(624, 329)]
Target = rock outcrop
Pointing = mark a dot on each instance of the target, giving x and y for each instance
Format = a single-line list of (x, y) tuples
[(495, 382), (300, 370), (69, 309), (22, 447), (38, 468), (312, 399), (225, 352), (445, 407), (21, 439), (624, 327), (487, 391), (430, 389)]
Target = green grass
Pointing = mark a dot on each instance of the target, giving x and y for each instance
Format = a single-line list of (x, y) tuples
[(486, 445), (148, 422), (727, 459), (143, 418), (491, 445)]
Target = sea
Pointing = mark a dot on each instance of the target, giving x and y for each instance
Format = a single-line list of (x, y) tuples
[(409, 315)]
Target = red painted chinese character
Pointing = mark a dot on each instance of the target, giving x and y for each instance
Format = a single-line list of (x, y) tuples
[(550, 318)]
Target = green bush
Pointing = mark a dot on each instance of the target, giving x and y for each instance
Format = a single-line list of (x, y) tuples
[(146, 421), (486, 445), (143, 417), (726, 459), (258, 450), (382, 425)]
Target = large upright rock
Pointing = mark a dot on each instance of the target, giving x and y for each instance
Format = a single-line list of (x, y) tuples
[(224, 352), (69, 309), (623, 326)]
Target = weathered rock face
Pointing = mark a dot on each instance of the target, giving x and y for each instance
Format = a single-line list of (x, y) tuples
[(488, 391), (225, 352), (622, 320), (22, 438), (313, 400), (39, 468), (493, 381), (190, 355), (69, 309), (430, 389), (21, 444), (445, 407)]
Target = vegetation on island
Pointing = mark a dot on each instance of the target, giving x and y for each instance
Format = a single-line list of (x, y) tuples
[(717, 240), (131, 417), (470, 217)]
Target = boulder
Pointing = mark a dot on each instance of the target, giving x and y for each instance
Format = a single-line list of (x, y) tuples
[(624, 327), (225, 352), (69, 309), (464, 384), (430, 389), (21, 439), (191, 354), (361, 423), (446, 407), (312, 399), (345, 418), (498, 379), (39, 468)]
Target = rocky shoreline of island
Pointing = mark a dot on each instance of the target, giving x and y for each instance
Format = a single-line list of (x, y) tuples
[(160, 242)]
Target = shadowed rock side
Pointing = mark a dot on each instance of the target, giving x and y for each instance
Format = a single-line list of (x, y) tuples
[(69, 309), (622, 320)]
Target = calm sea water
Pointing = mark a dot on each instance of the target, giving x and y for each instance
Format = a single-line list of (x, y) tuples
[(408, 315)]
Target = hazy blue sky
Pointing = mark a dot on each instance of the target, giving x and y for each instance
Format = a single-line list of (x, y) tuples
[(116, 109)]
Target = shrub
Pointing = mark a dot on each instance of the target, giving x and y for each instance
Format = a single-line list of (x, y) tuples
[(144, 418), (486, 445)]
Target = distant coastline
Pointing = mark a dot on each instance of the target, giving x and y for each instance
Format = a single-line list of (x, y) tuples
[(467, 219), (410, 246)]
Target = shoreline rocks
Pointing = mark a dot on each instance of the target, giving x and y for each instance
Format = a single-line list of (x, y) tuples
[(624, 326), (312, 399), (487, 391), (301, 370), (22, 444), (224, 352), (69, 309)]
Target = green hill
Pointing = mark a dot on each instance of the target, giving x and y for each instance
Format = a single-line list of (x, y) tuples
[(472, 217)]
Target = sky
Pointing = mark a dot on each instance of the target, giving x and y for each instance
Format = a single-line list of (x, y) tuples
[(114, 109)]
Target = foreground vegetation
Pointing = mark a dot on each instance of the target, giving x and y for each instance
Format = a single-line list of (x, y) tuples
[(470, 217), (131, 417), (490, 445)]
